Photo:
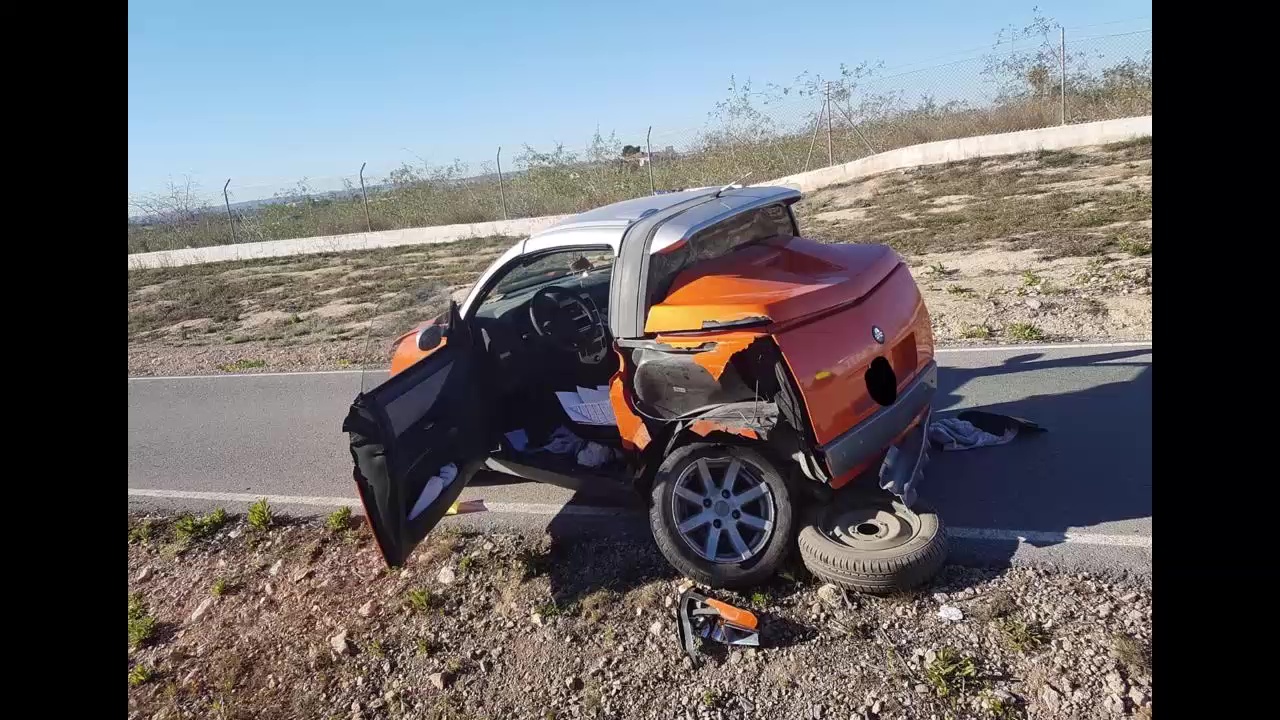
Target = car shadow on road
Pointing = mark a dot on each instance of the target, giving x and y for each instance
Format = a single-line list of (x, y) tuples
[(1092, 467)]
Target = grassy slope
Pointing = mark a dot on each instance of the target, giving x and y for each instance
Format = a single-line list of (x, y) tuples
[(1054, 244)]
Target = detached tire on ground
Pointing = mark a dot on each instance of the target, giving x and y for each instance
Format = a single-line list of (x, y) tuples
[(722, 514), (872, 543)]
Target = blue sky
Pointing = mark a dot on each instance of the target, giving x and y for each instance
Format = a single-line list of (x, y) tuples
[(269, 92)]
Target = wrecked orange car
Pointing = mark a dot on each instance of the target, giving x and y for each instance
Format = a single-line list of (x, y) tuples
[(750, 383)]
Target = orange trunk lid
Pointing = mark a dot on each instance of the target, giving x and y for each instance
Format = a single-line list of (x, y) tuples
[(781, 280)]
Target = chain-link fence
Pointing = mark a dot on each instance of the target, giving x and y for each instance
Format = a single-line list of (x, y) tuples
[(1037, 80)]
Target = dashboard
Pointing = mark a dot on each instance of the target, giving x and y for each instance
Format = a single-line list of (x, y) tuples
[(508, 335)]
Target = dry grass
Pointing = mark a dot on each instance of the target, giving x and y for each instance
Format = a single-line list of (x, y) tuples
[(647, 596), (1062, 210), (598, 606), (998, 606), (976, 234), (1010, 250), (438, 548), (301, 300), (1132, 654), (761, 131)]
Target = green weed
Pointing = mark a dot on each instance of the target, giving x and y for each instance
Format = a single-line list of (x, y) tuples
[(1024, 331), (339, 519), (139, 674), (142, 626), (949, 673), (260, 515), (189, 527), (422, 599), (1022, 637), (140, 532), (242, 365)]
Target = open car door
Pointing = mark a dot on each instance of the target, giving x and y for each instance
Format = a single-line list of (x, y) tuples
[(407, 432)]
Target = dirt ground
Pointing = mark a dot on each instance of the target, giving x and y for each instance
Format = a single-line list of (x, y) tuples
[(302, 620), (1052, 246)]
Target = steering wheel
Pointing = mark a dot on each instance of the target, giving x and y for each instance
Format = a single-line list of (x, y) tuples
[(560, 316)]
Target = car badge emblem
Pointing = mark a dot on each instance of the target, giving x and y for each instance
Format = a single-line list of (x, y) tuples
[(878, 334)]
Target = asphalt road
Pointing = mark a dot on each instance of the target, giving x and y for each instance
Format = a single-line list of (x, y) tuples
[(1078, 496)]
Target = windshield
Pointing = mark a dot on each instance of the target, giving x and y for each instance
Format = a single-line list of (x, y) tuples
[(549, 268)]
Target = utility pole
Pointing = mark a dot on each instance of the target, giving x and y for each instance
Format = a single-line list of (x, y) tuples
[(1062, 69), (501, 191), (648, 149), (830, 156), (813, 139), (368, 221), (230, 220)]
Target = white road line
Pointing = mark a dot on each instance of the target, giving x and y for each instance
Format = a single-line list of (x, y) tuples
[(1026, 348), (550, 510), (245, 497), (301, 373), (1034, 537), (498, 507), (937, 351)]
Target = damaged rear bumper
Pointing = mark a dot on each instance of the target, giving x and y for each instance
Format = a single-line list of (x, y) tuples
[(902, 466)]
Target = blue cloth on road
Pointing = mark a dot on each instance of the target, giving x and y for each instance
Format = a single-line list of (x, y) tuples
[(961, 433)]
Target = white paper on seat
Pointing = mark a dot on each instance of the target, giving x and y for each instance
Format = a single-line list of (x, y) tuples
[(589, 406)]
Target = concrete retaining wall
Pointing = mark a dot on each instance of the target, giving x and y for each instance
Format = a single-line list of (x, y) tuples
[(942, 151), (945, 151), (341, 243)]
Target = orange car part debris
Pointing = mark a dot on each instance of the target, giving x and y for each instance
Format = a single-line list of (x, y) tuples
[(737, 616), (698, 616)]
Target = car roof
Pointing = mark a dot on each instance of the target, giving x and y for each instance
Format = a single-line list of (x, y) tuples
[(608, 223)]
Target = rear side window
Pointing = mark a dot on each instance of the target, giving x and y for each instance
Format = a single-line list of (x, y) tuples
[(716, 241)]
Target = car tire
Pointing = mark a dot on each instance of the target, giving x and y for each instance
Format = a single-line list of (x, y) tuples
[(678, 548), (907, 548)]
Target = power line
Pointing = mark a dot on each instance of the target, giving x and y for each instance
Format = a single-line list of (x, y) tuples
[(1109, 22)]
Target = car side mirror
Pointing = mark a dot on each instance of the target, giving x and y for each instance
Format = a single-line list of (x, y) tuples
[(430, 337)]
